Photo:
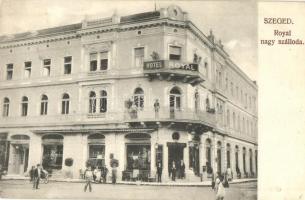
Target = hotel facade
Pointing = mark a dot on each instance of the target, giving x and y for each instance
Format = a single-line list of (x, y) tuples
[(141, 89)]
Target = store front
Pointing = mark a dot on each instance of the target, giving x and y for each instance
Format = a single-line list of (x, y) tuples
[(19, 154), (138, 156), (4, 152), (52, 157), (96, 149)]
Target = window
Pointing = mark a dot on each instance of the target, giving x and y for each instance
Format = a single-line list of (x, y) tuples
[(234, 120), (139, 56), (93, 62), (174, 53), (175, 99), (44, 105), (246, 98), (238, 123), (228, 118), (46, 67), (138, 98), (241, 96), (27, 69), (9, 71), (220, 79), (104, 60), (226, 83), (103, 102), (65, 104), (247, 130), (67, 65), (24, 106), (237, 92), (249, 101), (243, 126), (138, 156), (206, 68), (232, 88), (92, 102), (6, 107)]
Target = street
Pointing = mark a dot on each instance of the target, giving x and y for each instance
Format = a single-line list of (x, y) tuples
[(23, 189)]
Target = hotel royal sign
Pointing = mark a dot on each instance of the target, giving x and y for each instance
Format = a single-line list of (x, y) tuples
[(169, 64)]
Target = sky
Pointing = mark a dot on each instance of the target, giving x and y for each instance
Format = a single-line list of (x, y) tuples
[(234, 22)]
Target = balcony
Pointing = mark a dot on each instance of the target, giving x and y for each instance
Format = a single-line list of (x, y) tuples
[(172, 70), (165, 114)]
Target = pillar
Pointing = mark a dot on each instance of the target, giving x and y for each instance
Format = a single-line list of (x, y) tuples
[(153, 169), (165, 162)]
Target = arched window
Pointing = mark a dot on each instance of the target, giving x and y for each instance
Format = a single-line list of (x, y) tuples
[(6, 107), (103, 102), (138, 98), (65, 104), (24, 106), (92, 102), (175, 99), (44, 105)]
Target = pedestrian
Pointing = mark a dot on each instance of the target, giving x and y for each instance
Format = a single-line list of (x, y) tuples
[(104, 174), (229, 174), (174, 171), (159, 171), (88, 177), (182, 169), (37, 175), (219, 189), (114, 173), (31, 173)]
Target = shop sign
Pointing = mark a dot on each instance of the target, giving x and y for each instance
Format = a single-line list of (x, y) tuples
[(183, 66), (154, 65), (168, 64)]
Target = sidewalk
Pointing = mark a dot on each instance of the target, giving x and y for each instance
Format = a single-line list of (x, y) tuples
[(170, 183)]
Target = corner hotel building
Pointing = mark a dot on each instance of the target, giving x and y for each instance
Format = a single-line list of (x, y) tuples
[(141, 88)]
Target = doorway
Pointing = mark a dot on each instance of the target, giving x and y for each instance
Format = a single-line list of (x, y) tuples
[(175, 154), (20, 156)]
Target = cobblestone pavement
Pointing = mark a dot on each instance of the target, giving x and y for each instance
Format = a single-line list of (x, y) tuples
[(23, 189)]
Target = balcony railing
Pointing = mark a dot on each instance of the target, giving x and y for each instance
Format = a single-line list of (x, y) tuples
[(168, 114)]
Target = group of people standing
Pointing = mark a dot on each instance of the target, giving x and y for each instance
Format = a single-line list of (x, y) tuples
[(177, 170), (97, 175)]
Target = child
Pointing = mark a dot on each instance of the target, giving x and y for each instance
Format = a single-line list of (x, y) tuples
[(88, 177)]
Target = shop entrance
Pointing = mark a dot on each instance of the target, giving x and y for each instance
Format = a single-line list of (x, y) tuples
[(20, 156), (52, 156), (175, 155)]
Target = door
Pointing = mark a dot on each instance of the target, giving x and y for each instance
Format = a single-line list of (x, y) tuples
[(175, 154)]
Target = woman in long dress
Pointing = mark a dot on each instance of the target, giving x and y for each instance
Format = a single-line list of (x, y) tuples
[(219, 189)]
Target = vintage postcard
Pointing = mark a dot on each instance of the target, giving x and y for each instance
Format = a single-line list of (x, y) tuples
[(151, 99)]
